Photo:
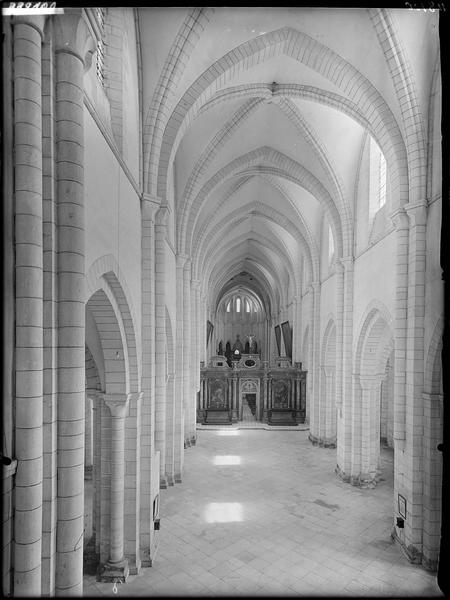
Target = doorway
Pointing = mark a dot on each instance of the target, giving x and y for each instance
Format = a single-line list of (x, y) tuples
[(249, 409)]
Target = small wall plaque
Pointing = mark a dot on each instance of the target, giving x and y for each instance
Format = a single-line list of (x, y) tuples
[(402, 506)]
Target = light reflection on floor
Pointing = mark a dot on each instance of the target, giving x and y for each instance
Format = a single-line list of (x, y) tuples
[(224, 512), (227, 460), (281, 523)]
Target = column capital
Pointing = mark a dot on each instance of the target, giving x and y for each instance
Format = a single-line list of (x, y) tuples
[(181, 260), (135, 396), (35, 21), (73, 35), (400, 219), (187, 267), (338, 266), (417, 213), (96, 396), (347, 262), (432, 397), (149, 205), (162, 215), (117, 404), (369, 382), (329, 370)]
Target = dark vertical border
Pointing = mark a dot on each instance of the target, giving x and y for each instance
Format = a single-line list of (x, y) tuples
[(278, 338), (444, 555), (287, 337)]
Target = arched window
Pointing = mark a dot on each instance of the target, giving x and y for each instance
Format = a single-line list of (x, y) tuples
[(100, 58), (241, 303), (382, 181), (330, 245), (378, 179)]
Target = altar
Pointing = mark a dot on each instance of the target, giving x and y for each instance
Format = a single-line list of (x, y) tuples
[(270, 393)]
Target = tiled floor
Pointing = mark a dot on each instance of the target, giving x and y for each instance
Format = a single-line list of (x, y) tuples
[(262, 513)]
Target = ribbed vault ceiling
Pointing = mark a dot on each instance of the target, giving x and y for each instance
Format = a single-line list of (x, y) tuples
[(254, 139)]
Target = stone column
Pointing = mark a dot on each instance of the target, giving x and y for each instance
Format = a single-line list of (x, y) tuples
[(432, 484), (189, 427), (296, 328), (321, 401), (117, 566), (297, 398), (338, 376), (344, 407), (50, 320), (179, 438), (340, 319), (170, 430), (314, 371), (149, 207), (370, 429), (73, 47), (401, 223), (202, 399), (133, 484), (265, 386), (415, 351), (330, 407), (195, 364), (192, 364), (97, 401), (28, 33), (203, 354), (235, 409), (88, 437), (160, 335)]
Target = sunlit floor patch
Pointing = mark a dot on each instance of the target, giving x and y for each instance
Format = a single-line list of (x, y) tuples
[(224, 512), (228, 432), (227, 460)]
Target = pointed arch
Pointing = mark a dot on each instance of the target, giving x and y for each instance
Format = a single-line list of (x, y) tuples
[(433, 368), (298, 46), (105, 273), (93, 381), (269, 161)]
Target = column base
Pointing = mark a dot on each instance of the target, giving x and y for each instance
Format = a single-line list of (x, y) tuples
[(300, 416), (134, 566), (364, 480), (399, 444), (193, 440), (114, 572), (313, 439), (413, 554), (162, 482), (340, 473), (178, 478), (322, 442), (234, 416), (170, 480)]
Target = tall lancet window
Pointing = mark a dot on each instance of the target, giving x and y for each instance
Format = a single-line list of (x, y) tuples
[(378, 179), (330, 246), (100, 58)]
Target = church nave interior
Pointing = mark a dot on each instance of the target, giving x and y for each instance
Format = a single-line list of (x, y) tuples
[(222, 242)]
